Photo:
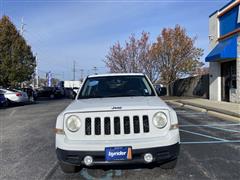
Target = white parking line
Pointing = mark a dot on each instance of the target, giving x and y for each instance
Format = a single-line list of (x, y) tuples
[(203, 135), (223, 129), (51, 171), (216, 126), (11, 114), (191, 113), (210, 142), (196, 125)]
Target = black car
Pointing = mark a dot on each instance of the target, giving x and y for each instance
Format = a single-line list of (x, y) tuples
[(32, 94), (3, 100), (49, 92), (69, 93)]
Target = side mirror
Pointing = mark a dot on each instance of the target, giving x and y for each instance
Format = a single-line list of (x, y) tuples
[(161, 91)]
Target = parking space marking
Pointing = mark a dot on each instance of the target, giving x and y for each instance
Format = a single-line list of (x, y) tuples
[(203, 135), (211, 142), (200, 125), (223, 129), (12, 113), (51, 171), (191, 113), (216, 126)]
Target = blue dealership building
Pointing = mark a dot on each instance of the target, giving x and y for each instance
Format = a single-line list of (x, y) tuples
[(224, 54)]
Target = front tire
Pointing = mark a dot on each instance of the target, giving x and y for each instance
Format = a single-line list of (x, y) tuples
[(66, 168), (6, 104), (169, 165)]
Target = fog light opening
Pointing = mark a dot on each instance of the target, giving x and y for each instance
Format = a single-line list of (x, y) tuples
[(148, 157), (88, 160)]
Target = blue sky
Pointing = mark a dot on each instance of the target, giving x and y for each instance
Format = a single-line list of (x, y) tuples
[(63, 31)]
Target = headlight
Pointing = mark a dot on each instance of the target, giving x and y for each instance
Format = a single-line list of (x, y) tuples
[(73, 123), (160, 120)]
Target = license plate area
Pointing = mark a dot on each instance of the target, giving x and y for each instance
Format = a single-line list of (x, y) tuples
[(118, 153)]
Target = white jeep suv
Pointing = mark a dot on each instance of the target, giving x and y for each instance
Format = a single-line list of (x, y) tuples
[(117, 119)]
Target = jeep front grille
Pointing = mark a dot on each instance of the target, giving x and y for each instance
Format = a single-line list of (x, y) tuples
[(104, 126)]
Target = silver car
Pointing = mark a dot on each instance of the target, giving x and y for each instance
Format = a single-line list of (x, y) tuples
[(15, 96)]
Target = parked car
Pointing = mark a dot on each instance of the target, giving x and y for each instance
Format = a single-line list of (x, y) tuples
[(161, 91), (32, 94), (45, 92), (117, 119), (3, 100), (50, 92), (15, 96), (75, 89), (69, 93)]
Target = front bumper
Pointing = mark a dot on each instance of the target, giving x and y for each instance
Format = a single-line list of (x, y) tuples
[(160, 155)]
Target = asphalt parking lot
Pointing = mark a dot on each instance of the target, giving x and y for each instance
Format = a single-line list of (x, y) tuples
[(210, 147)]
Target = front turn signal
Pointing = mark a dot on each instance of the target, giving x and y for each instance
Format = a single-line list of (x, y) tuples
[(58, 131), (174, 126)]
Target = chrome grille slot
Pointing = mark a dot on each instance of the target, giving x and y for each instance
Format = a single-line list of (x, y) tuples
[(97, 126), (145, 124), (117, 125), (88, 128), (107, 125), (126, 125), (136, 124)]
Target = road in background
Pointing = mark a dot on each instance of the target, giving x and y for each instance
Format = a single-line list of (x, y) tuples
[(210, 147)]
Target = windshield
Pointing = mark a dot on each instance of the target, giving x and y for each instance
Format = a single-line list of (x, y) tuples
[(116, 86)]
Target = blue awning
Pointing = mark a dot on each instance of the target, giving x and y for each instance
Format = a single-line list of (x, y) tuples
[(226, 49)]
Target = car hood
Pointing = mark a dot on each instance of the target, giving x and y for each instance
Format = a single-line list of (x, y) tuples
[(117, 103)]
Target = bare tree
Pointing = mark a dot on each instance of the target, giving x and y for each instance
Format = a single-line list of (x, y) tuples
[(175, 54), (172, 56), (133, 57), (116, 59)]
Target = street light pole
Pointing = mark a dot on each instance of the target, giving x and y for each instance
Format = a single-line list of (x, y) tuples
[(95, 70), (22, 27), (74, 70), (36, 71)]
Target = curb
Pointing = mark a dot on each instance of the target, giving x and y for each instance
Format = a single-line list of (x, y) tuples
[(224, 116), (194, 108), (222, 111), (175, 103), (210, 111)]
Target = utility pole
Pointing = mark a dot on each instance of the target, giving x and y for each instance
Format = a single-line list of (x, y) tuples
[(81, 70), (74, 69), (22, 27), (36, 71), (95, 70)]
